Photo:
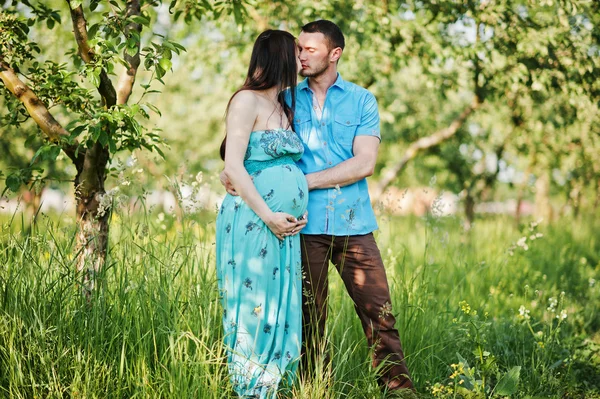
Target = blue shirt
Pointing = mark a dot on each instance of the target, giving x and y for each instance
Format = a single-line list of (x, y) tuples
[(349, 111)]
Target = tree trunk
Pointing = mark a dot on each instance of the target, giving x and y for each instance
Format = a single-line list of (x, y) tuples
[(575, 198), (93, 212), (93, 206), (469, 210), (518, 208), (523, 186), (32, 203), (543, 208), (597, 200)]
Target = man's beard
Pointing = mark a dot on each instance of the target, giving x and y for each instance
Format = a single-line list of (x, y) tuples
[(320, 69)]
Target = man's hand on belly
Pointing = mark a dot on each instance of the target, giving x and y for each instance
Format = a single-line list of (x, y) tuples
[(227, 184)]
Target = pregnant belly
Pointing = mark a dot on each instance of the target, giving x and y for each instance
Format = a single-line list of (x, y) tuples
[(283, 188)]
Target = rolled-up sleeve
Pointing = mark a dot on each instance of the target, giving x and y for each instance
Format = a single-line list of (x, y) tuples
[(369, 120)]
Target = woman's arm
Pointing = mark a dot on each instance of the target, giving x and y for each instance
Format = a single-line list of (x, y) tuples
[(242, 114)]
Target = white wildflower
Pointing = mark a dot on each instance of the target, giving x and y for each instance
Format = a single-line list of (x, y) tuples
[(524, 312), (533, 225), (123, 181), (522, 243), (591, 282), (132, 160), (552, 303), (562, 315), (106, 201)]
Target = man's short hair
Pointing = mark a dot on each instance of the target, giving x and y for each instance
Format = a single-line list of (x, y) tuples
[(333, 34)]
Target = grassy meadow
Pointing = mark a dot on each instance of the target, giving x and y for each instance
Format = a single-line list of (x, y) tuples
[(497, 311)]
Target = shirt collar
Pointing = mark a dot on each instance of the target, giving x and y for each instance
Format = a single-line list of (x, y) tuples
[(339, 82)]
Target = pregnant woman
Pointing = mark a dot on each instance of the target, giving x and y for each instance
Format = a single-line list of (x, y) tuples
[(258, 249)]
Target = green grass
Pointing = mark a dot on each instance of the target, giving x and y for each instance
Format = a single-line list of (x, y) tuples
[(154, 326)]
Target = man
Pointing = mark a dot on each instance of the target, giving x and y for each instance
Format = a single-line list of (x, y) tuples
[(338, 123)]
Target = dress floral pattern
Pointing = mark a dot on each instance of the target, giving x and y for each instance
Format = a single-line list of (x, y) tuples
[(259, 275)]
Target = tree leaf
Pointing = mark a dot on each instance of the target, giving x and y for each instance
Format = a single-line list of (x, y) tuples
[(93, 30), (160, 71), (77, 131), (30, 140), (13, 182), (52, 153), (112, 146), (131, 51), (154, 108), (103, 138), (94, 77), (172, 5), (39, 152), (140, 19), (165, 63), (509, 382)]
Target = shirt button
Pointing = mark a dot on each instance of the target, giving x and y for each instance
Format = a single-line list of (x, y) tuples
[(322, 123), (324, 143), (329, 163), (347, 122), (314, 107)]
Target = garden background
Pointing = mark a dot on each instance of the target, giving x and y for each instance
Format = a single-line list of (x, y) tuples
[(487, 188)]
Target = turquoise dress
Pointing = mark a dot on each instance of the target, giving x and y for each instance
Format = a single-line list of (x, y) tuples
[(259, 275)]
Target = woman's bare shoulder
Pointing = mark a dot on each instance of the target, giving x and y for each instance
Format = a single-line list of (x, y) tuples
[(246, 96)]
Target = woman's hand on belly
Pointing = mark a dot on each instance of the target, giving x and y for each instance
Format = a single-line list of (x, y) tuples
[(301, 223), (281, 224)]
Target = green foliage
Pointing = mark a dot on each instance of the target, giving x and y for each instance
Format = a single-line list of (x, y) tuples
[(14, 46), (118, 129), (534, 66), (466, 310), (62, 86)]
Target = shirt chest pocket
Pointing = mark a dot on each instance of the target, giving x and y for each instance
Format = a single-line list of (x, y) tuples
[(302, 124), (344, 129)]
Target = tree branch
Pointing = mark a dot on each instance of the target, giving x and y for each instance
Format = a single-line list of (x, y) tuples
[(127, 79), (32, 103), (38, 110), (106, 89), (420, 145)]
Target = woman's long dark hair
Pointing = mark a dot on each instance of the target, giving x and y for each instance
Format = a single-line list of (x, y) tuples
[(272, 64)]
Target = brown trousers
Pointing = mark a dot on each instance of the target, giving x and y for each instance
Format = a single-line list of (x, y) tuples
[(359, 263)]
